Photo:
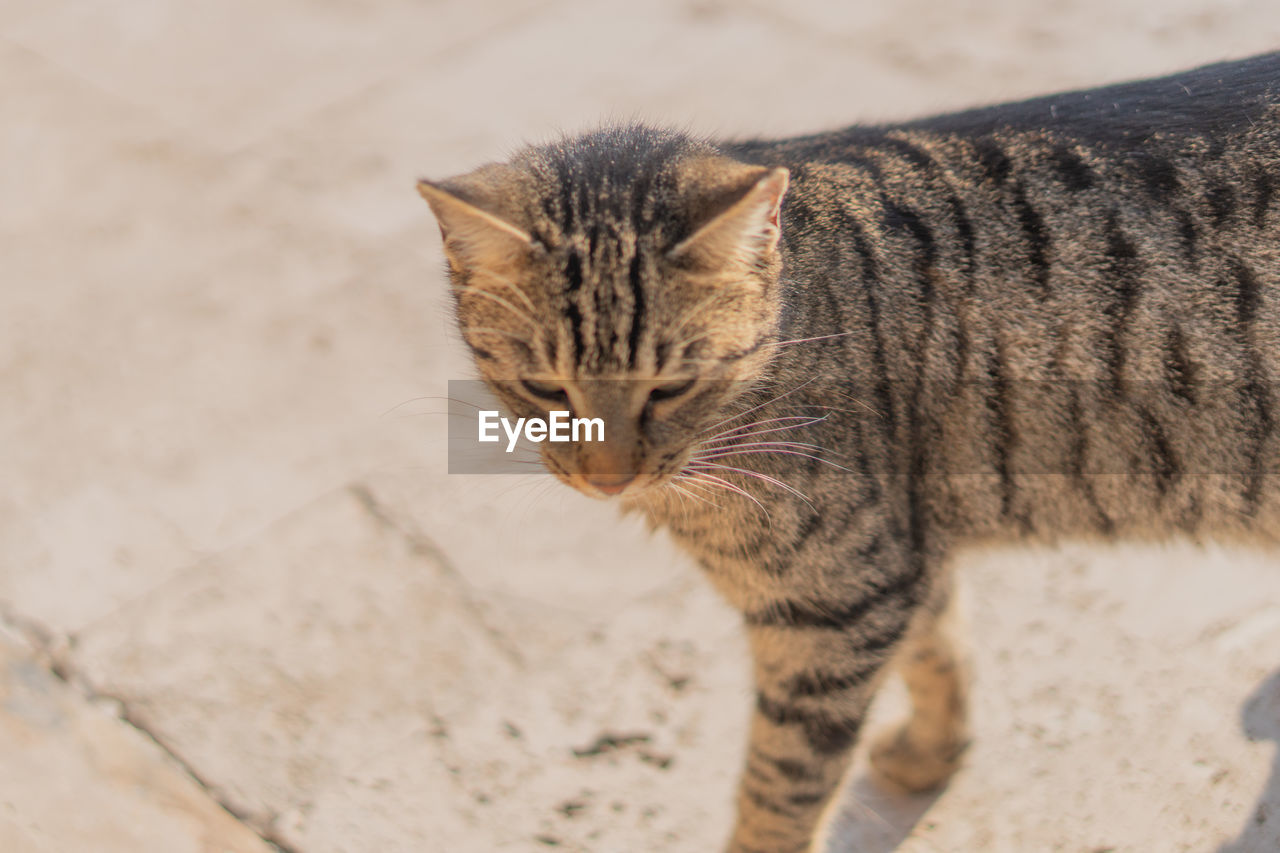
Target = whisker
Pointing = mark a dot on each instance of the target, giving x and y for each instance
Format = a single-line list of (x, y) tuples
[(689, 481), (807, 340), (853, 399), (730, 438), (749, 473), (720, 482), (775, 451), (738, 445), (809, 418), (683, 491), (765, 403), (437, 398)]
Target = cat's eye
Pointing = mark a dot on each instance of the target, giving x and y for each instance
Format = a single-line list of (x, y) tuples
[(670, 390), (547, 391)]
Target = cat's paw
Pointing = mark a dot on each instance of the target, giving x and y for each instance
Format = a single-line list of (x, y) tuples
[(900, 762)]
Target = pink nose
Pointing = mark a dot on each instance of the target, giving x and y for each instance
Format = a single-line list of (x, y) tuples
[(610, 484)]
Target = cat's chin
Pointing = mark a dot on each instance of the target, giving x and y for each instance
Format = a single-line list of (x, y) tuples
[(641, 488)]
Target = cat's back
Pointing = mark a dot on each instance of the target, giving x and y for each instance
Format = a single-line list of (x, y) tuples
[(1079, 284), (1218, 103)]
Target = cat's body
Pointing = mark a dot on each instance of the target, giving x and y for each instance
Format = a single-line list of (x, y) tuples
[(1050, 319)]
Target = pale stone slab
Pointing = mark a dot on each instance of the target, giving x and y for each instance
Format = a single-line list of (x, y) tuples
[(1125, 698), (282, 667), (182, 359), (337, 682), (205, 65), (77, 778)]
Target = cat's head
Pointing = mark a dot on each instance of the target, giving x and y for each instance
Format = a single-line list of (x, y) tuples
[(630, 275)]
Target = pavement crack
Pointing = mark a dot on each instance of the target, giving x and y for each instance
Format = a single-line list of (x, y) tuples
[(422, 546), (53, 651)]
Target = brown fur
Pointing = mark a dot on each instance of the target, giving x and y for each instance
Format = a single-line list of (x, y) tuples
[(827, 362)]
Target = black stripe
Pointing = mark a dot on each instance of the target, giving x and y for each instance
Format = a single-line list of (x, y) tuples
[(637, 309), (1178, 364), (805, 800), (807, 530), (758, 774), (824, 684), (896, 217), (573, 273), (1033, 230), (1159, 175), (1079, 450), (574, 316), (1221, 198), (788, 768), (1255, 393), (825, 734), (564, 178), (1248, 295), (835, 311), (762, 802), (1165, 461), (871, 286), (832, 736), (964, 228), (916, 465), (993, 159), (790, 613), (1072, 169), (1187, 231), (1122, 281), (1003, 425), (1262, 193)]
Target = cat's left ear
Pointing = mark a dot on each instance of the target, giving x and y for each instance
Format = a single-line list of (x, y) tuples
[(747, 229), (476, 229)]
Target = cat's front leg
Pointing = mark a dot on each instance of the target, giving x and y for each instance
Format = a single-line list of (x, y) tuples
[(815, 673)]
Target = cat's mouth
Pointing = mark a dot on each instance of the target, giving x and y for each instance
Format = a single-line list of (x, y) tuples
[(608, 485)]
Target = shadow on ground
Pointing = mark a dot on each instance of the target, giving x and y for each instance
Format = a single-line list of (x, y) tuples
[(1260, 719), (874, 820)]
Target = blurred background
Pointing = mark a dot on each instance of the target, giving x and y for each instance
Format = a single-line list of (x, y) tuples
[(242, 606)]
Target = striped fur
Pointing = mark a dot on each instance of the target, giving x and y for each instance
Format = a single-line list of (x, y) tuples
[(1048, 319)]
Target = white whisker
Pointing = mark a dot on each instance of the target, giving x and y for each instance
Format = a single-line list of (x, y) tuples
[(720, 482), (747, 472)]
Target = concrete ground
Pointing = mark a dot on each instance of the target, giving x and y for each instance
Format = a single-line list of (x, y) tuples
[(243, 608)]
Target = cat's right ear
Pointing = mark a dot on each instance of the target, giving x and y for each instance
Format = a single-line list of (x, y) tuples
[(741, 206), (475, 232)]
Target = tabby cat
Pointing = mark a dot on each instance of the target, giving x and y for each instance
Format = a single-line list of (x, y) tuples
[(827, 362)]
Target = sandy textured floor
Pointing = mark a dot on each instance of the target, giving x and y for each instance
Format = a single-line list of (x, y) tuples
[(241, 602)]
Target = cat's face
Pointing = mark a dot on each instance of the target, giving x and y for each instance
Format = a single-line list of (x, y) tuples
[(639, 287)]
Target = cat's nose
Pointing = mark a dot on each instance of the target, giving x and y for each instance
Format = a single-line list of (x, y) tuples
[(610, 484)]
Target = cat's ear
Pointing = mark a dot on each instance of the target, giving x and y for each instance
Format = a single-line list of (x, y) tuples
[(477, 231), (740, 220)]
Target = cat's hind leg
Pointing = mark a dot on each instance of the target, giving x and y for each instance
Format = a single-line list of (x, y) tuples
[(923, 752)]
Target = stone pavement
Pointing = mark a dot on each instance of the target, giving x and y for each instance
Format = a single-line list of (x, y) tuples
[(242, 607)]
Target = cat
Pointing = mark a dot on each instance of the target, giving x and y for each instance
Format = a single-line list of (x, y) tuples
[(828, 362)]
